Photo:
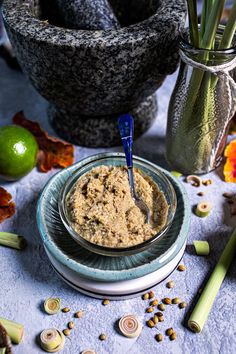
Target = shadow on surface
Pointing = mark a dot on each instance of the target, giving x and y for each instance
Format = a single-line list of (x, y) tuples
[(34, 260)]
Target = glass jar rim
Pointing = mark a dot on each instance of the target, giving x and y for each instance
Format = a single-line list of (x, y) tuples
[(185, 45)]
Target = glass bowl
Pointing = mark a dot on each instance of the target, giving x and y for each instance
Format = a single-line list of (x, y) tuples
[(118, 159)]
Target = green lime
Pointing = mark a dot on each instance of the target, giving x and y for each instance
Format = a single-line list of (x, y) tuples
[(18, 152)]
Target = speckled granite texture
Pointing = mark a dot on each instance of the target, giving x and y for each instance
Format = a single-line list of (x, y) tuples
[(101, 132), (95, 73), (27, 277), (87, 14)]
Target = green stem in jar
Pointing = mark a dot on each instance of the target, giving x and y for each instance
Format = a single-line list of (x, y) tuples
[(212, 24), (230, 29), (227, 38), (202, 309), (197, 116), (193, 22), (206, 9), (12, 240)]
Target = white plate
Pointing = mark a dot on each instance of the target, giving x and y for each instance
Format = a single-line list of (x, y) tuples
[(114, 290)]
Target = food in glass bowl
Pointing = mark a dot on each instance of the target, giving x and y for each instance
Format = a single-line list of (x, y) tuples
[(102, 210), (151, 176)]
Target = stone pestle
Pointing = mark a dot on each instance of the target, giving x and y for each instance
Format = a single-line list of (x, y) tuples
[(87, 14)]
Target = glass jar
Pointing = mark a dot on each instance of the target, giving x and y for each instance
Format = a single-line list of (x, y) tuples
[(200, 110), (1, 24)]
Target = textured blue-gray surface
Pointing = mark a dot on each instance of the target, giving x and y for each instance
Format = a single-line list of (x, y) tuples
[(27, 277)]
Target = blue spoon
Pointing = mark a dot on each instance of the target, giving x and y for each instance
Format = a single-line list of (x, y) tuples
[(126, 128)]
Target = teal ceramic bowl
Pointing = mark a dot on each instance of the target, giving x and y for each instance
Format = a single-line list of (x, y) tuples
[(118, 160), (65, 250)]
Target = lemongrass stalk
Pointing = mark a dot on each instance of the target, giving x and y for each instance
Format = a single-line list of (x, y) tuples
[(202, 309), (209, 4), (203, 18), (212, 24), (206, 10), (228, 35), (206, 43), (198, 92), (230, 29), (193, 22), (14, 330), (12, 240), (3, 350)]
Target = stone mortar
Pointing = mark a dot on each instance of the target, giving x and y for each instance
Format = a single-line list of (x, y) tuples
[(91, 77)]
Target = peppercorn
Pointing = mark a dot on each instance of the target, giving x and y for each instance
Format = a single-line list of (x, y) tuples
[(151, 294), (154, 303), (66, 332), (167, 301), (170, 284), (176, 300), (105, 302), (150, 323), (149, 309), (159, 337), (66, 309), (201, 194), (155, 319), (173, 336), (71, 325), (169, 331), (183, 304), (181, 267), (161, 307), (159, 314), (207, 182), (79, 314), (102, 336)]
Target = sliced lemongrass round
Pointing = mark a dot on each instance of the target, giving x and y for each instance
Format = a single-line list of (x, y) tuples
[(203, 209), (88, 351), (194, 180), (52, 340), (52, 305), (130, 326), (202, 248)]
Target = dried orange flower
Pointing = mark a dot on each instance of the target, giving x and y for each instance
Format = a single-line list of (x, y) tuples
[(53, 152), (230, 165), (7, 207)]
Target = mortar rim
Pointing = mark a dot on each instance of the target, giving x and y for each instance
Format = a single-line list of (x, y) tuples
[(18, 18)]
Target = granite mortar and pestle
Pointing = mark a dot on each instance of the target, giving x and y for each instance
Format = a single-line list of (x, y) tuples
[(92, 76), (87, 14)]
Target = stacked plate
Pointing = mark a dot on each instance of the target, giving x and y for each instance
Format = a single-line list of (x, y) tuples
[(110, 277)]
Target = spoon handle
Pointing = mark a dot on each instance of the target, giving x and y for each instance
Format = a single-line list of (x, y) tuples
[(126, 128)]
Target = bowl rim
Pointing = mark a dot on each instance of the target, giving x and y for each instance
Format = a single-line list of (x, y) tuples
[(113, 251), (17, 14), (110, 275)]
